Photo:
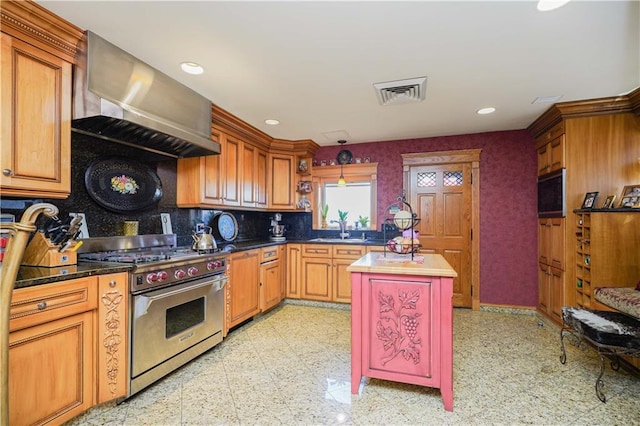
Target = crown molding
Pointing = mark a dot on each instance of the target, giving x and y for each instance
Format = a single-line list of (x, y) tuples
[(590, 107), (30, 22)]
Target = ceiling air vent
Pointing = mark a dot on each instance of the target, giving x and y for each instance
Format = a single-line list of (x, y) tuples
[(401, 91)]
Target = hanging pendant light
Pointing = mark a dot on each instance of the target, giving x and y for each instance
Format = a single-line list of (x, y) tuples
[(343, 156), (341, 181)]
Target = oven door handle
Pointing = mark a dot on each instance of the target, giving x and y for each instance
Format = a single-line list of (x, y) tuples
[(143, 301)]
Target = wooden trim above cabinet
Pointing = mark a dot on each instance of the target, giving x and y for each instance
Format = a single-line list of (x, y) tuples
[(589, 107), (28, 21)]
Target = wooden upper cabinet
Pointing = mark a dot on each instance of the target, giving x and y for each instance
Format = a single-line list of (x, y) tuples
[(261, 181), (232, 156), (551, 146), (281, 181), (36, 121), (200, 180), (38, 50)]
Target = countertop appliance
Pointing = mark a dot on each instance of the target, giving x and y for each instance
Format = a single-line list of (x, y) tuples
[(176, 301), (277, 230), (119, 98)]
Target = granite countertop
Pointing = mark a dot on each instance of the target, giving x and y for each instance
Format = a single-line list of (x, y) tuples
[(34, 275), (422, 264)]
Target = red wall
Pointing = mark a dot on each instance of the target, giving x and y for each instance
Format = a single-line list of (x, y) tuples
[(508, 219)]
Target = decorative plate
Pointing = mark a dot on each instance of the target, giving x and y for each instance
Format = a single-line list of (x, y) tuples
[(122, 185), (344, 157), (226, 226)]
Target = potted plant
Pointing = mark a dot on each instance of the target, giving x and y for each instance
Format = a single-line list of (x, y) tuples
[(363, 221), (323, 213)]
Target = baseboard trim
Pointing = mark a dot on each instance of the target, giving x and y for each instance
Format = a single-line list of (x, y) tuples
[(508, 309)]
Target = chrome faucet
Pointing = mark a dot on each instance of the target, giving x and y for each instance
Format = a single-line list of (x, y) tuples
[(343, 228)]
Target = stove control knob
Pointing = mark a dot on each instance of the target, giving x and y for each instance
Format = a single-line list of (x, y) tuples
[(162, 275), (152, 277), (192, 271), (213, 265), (179, 274)]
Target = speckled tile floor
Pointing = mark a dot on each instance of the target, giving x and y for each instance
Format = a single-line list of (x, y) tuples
[(292, 367)]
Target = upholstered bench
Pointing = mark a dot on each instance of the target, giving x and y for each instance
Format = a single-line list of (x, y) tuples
[(611, 333), (623, 299)]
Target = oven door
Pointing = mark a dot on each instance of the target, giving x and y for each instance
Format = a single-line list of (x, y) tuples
[(168, 321)]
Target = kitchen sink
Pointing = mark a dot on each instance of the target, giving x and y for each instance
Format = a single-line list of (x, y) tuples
[(338, 240)]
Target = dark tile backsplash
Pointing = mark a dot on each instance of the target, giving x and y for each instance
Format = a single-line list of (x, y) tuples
[(102, 222)]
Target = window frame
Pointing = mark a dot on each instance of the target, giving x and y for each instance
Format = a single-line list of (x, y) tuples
[(353, 173)]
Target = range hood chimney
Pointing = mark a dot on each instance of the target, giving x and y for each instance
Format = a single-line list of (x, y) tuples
[(118, 98)]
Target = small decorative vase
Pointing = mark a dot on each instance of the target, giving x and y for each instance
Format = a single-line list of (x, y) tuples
[(324, 222)]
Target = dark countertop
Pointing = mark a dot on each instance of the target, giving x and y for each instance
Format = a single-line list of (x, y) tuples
[(34, 275)]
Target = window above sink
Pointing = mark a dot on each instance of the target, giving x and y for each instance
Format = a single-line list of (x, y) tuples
[(358, 197)]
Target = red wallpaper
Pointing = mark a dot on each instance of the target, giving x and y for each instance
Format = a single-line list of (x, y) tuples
[(508, 203)]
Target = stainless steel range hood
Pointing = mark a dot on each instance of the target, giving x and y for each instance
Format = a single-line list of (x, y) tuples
[(119, 98)]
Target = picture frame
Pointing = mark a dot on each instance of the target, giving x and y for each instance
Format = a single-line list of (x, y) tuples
[(608, 203), (630, 196), (589, 200)]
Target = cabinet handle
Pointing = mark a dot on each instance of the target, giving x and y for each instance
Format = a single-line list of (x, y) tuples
[(42, 305), (112, 283), (7, 172)]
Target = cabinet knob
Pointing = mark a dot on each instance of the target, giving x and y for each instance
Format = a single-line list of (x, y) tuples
[(7, 172), (112, 283), (42, 305)]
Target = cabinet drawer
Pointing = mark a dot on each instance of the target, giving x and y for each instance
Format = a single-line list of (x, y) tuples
[(343, 251), (316, 250), (40, 304), (267, 254)]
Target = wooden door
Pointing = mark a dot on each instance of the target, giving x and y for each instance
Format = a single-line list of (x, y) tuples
[(294, 275), (441, 197)]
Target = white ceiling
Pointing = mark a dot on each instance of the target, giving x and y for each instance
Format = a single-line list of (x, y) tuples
[(312, 65)]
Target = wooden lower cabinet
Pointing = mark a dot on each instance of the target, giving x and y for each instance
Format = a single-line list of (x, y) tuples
[(111, 337), (244, 287), (324, 276), (550, 291), (52, 352), (293, 279), (270, 278)]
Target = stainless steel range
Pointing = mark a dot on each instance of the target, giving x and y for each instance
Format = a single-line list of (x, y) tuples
[(176, 301)]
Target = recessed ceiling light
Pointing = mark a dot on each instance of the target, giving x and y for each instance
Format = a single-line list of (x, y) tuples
[(483, 111), (547, 5), (191, 68), (272, 122)]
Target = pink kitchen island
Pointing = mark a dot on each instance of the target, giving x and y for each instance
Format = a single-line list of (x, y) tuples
[(402, 321)]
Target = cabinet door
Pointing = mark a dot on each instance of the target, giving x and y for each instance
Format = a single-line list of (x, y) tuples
[(543, 287), (341, 280), (270, 278), (281, 185), (556, 153), (261, 179), (112, 337), (551, 242), (249, 175), (556, 294), (232, 159), (51, 371), (244, 284), (36, 121), (316, 278), (294, 275), (544, 156)]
